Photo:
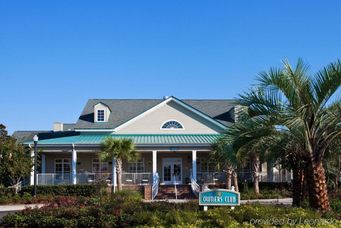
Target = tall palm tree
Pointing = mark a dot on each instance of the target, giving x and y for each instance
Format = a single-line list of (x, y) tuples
[(293, 99), (118, 149)]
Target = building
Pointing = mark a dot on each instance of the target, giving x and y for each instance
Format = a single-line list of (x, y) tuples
[(173, 138)]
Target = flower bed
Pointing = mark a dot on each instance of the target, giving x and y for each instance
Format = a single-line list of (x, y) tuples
[(126, 209)]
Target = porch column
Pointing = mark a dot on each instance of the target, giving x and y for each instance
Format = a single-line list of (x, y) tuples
[(32, 170), (194, 164), (43, 163), (114, 174), (154, 162), (74, 165)]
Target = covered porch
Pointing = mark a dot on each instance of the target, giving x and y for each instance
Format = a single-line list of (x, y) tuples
[(171, 166)]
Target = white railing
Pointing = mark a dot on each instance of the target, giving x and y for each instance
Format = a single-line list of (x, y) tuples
[(211, 177), (264, 177), (137, 178), (53, 178), (90, 178), (194, 186), (155, 187)]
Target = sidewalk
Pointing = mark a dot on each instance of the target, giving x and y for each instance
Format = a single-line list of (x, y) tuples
[(284, 201), (7, 209)]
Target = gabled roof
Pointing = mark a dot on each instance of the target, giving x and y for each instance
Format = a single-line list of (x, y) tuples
[(123, 110)]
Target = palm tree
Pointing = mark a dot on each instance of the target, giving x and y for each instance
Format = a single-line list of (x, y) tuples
[(224, 156), (292, 99), (118, 149), (332, 164), (245, 142)]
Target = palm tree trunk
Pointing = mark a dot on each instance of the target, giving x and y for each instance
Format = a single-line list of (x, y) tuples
[(255, 172), (337, 178), (318, 191), (235, 181), (228, 176), (297, 185), (119, 174)]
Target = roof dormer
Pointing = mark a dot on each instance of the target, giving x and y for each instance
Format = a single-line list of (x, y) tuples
[(101, 113)]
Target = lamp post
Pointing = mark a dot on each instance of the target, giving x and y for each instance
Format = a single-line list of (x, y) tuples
[(35, 139)]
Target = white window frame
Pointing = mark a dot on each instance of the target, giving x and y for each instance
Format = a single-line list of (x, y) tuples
[(172, 129), (101, 164), (141, 161), (97, 117), (62, 163)]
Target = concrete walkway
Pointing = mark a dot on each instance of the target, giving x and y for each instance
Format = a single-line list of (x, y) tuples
[(284, 201), (8, 209)]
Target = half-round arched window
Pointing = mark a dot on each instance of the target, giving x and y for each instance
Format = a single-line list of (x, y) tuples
[(172, 124)]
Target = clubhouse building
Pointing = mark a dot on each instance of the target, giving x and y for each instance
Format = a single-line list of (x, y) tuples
[(173, 137)]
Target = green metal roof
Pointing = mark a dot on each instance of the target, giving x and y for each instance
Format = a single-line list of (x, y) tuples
[(137, 139)]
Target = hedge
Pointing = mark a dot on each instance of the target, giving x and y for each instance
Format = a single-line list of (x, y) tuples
[(126, 209), (62, 190)]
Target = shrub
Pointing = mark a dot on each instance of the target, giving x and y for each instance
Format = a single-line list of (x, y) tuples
[(126, 209), (62, 190), (336, 205)]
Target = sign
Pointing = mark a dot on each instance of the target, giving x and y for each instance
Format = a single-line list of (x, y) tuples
[(219, 197)]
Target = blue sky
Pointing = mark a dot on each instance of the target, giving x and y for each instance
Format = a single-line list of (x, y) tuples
[(54, 55)]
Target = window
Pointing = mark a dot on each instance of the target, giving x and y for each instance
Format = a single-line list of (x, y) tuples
[(136, 166), (100, 115), (172, 124), (99, 166), (206, 166), (62, 168)]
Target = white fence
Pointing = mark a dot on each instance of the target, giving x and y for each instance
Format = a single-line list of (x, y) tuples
[(90, 178)]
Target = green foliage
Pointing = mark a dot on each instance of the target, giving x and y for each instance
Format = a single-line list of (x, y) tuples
[(121, 149), (63, 190), (336, 205), (15, 160), (126, 209)]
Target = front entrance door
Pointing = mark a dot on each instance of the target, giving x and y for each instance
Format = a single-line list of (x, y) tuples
[(172, 170)]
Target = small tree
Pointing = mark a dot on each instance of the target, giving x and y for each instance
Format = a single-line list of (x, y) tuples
[(224, 156), (119, 149), (15, 160)]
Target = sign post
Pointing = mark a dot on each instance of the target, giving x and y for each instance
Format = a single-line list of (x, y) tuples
[(219, 197)]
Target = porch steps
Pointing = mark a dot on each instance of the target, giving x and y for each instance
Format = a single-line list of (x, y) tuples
[(168, 192)]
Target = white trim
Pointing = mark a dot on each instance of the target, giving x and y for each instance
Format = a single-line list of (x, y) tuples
[(143, 114), (165, 102), (154, 162), (194, 165), (171, 129), (94, 130), (200, 113)]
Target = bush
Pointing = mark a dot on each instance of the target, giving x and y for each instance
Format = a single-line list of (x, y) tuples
[(62, 190), (336, 205), (265, 194), (126, 209)]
